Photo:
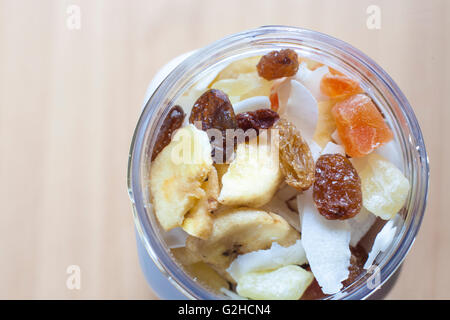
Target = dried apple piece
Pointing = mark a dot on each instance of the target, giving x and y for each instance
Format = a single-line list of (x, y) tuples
[(360, 125), (246, 85), (237, 68)]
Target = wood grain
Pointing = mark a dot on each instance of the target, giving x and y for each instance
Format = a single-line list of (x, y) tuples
[(69, 101)]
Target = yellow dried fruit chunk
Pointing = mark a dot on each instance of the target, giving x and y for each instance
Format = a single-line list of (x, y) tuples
[(199, 270), (384, 187), (325, 124), (236, 68), (286, 283), (207, 276), (245, 86)]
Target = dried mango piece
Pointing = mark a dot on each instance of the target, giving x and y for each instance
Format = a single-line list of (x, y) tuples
[(384, 187), (360, 125), (335, 85)]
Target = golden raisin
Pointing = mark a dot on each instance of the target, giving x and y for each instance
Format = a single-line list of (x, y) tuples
[(278, 64), (258, 119), (172, 122), (337, 187), (296, 161)]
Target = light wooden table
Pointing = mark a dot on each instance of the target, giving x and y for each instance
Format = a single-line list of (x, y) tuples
[(69, 101)]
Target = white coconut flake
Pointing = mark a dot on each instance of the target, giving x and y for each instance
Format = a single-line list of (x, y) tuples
[(301, 109), (278, 206), (382, 242), (316, 150), (232, 295), (332, 148), (392, 152), (283, 92), (275, 257), (175, 238), (360, 224), (336, 138), (311, 79), (326, 243), (252, 104)]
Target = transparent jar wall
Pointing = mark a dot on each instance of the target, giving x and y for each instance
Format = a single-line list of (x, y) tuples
[(318, 47)]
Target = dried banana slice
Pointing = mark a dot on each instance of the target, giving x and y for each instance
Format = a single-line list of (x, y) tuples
[(177, 175), (239, 231), (199, 220)]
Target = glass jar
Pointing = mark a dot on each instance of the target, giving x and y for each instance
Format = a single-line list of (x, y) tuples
[(313, 45)]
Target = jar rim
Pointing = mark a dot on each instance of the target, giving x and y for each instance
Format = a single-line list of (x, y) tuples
[(283, 34)]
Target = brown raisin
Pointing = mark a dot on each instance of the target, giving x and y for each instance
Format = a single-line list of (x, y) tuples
[(278, 64), (172, 122), (357, 260), (258, 119), (214, 111), (337, 187), (296, 161), (313, 292)]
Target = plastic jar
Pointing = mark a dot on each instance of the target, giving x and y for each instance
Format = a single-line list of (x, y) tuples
[(163, 273)]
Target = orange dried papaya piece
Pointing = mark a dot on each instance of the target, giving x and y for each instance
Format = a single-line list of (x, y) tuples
[(273, 97), (335, 84), (360, 125), (335, 72)]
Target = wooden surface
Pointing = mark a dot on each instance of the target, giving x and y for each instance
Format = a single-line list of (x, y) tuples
[(69, 101)]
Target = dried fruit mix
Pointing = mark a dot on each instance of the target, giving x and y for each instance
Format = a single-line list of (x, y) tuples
[(232, 211)]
